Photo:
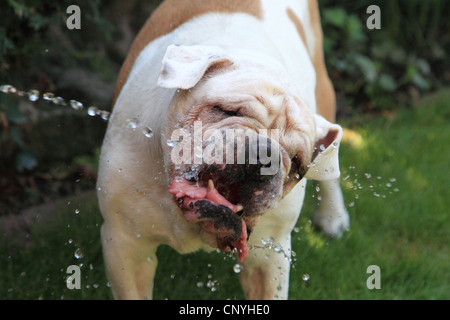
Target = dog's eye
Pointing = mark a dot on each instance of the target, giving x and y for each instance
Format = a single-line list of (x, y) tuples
[(228, 113)]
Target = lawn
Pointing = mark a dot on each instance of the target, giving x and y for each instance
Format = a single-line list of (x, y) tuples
[(394, 169)]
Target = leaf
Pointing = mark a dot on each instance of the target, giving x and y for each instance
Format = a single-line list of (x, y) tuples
[(386, 82), (15, 135), (20, 10), (420, 81), (367, 66), (335, 16), (26, 160), (355, 30), (38, 21)]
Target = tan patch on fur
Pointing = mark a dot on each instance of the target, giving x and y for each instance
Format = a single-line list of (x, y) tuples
[(170, 15), (325, 95), (298, 25)]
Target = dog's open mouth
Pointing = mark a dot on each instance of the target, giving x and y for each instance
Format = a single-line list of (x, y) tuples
[(215, 205)]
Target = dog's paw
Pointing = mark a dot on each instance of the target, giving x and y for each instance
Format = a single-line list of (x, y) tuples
[(332, 224)]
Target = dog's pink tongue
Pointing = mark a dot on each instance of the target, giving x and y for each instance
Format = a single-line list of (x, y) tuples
[(192, 192)]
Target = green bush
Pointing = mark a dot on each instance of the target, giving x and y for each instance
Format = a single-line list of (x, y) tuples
[(382, 69), (25, 42), (30, 58)]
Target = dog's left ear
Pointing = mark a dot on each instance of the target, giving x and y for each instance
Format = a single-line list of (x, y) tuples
[(325, 160), (184, 66)]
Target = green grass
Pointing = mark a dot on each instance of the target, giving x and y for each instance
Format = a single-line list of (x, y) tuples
[(393, 182)]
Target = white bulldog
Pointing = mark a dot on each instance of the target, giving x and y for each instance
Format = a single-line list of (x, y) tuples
[(202, 69)]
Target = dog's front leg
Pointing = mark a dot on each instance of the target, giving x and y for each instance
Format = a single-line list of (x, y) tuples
[(331, 215), (130, 264), (265, 272)]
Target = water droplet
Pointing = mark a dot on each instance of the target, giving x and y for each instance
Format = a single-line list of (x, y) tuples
[(148, 132), (120, 170), (33, 95), (48, 96), (76, 105), (78, 254), (132, 124), (105, 115), (7, 88), (171, 143), (392, 179), (93, 111), (59, 101), (305, 277), (70, 241), (200, 284), (237, 268), (77, 211), (322, 147)]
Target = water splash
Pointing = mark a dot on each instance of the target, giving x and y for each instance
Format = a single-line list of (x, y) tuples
[(132, 124), (237, 268), (376, 185), (76, 105), (270, 244), (171, 143), (34, 95), (78, 254), (148, 132)]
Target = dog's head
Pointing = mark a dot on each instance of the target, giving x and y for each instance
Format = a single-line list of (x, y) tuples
[(237, 140)]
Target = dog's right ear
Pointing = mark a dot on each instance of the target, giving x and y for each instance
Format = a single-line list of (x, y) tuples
[(325, 159), (184, 66)]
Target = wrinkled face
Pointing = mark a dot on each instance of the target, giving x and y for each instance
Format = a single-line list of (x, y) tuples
[(236, 143)]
